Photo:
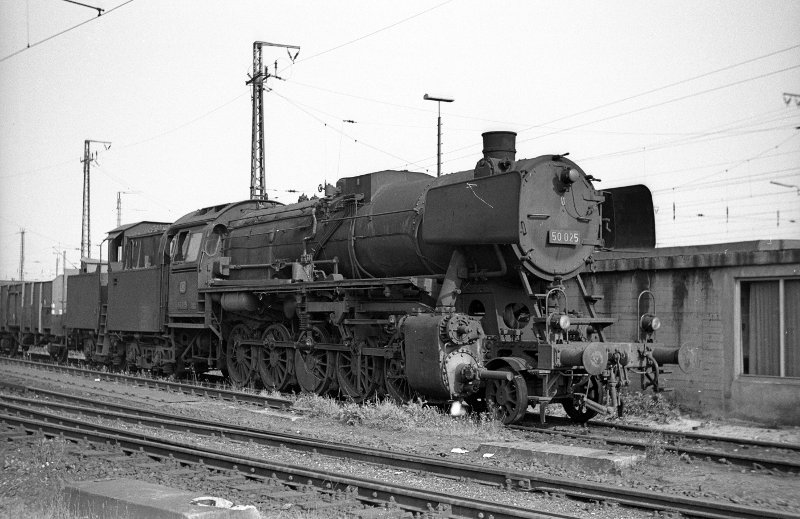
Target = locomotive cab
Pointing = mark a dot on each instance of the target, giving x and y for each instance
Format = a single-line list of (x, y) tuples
[(133, 316)]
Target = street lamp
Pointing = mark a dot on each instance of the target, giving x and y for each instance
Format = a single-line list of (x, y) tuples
[(790, 186), (439, 101)]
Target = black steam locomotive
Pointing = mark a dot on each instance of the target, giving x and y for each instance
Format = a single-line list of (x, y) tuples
[(393, 283)]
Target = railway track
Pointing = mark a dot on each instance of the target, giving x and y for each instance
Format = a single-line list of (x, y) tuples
[(759, 454), (164, 385), (778, 456), (653, 502), (259, 473)]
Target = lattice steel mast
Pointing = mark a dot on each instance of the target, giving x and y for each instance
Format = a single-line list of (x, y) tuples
[(88, 157), (258, 186)]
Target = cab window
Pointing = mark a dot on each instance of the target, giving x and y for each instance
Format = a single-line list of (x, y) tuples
[(187, 246), (141, 252)]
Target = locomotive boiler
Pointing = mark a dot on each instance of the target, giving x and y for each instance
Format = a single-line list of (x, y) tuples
[(458, 288)]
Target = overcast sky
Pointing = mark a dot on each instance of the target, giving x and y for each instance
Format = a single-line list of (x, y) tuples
[(684, 97)]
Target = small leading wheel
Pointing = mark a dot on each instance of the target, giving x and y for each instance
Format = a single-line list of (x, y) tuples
[(507, 399), (315, 369), (575, 406), (359, 375), (275, 362), (239, 358), (396, 383)]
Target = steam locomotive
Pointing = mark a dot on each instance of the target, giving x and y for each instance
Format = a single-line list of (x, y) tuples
[(393, 283)]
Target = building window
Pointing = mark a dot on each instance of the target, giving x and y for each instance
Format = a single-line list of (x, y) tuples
[(770, 315)]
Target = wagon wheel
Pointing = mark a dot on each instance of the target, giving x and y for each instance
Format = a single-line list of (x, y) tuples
[(239, 358), (396, 382), (315, 369), (89, 349), (575, 406), (359, 375), (275, 363), (9, 346), (507, 399), (60, 353)]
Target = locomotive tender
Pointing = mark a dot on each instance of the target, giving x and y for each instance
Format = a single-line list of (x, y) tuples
[(395, 283)]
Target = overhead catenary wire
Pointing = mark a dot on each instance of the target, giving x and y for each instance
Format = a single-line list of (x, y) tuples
[(641, 94), (742, 162), (32, 45), (357, 141), (643, 108), (744, 125), (395, 24), (676, 83)]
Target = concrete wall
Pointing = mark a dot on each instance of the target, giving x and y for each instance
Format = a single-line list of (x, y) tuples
[(696, 296)]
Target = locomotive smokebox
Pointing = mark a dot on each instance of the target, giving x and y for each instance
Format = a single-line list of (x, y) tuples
[(499, 153)]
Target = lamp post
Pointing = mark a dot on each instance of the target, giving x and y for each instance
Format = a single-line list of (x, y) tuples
[(439, 101)]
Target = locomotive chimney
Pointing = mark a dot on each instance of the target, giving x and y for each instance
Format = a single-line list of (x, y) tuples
[(499, 153), (499, 145)]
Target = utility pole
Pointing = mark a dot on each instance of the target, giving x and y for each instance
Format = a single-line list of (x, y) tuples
[(22, 255), (258, 186), (63, 281), (439, 101), (119, 205), (88, 157)]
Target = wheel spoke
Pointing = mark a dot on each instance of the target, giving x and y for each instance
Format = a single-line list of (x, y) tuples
[(396, 383), (314, 368), (239, 357), (508, 398), (591, 388), (359, 375), (275, 362)]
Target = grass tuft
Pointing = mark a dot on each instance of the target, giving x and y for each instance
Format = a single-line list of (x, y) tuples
[(415, 416), (651, 406)]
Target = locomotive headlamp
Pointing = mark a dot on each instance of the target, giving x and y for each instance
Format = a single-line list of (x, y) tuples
[(569, 176), (564, 322), (650, 323)]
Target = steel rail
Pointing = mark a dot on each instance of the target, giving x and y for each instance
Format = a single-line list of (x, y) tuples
[(525, 481), (735, 458), (690, 435), (189, 389), (370, 491)]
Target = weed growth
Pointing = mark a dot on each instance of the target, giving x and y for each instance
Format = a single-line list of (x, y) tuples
[(415, 416), (651, 406), (656, 450)]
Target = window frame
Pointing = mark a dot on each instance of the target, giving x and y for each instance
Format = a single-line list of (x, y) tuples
[(738, 337), (185, 239)]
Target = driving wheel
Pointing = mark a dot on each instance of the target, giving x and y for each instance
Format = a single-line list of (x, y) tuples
[(276, 362), (239, 358), (359, 375), (315, 369), (396, 382)]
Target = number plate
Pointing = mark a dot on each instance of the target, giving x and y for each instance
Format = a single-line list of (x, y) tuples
[(564, 237)]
